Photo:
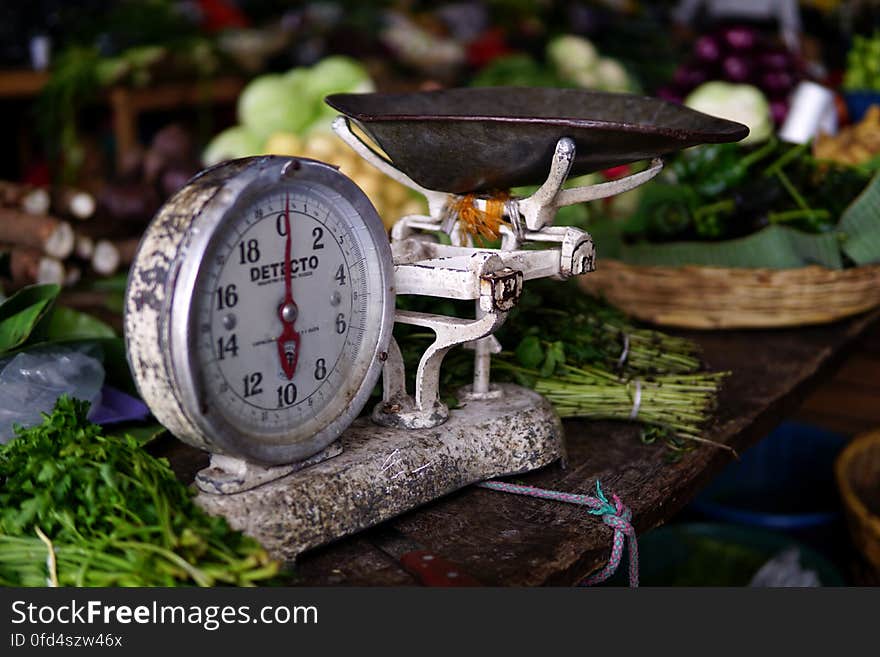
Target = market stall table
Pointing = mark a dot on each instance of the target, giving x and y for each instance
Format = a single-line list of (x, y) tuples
[(502, 539)]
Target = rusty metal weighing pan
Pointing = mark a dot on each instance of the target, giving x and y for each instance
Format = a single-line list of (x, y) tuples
[(480, 139)]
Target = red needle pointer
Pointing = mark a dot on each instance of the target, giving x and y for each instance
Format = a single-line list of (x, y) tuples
[(288, 341)]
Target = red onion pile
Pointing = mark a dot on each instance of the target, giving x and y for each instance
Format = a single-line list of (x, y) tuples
[(744, 55)]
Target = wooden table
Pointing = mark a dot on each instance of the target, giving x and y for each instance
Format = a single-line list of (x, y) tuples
[(503, 539)]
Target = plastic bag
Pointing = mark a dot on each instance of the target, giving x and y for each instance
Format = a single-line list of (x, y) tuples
[(31, 382), (785, 570)]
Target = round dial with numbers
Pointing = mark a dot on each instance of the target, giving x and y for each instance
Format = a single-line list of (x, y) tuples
[(259, 308)]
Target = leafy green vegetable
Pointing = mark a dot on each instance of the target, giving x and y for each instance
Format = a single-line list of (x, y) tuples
[(30, 318), (69, 324), (678, 402), (233, 143), (519, 71), (775, 246), (772, 206), (21, 313), (331, 75), (664, 210), (556, 324), (737, 102), (113, 514), (274, 102), (143, 432), (860, 226), (529, 352)]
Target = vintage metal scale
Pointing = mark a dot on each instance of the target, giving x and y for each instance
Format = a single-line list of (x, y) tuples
[(261, 303)]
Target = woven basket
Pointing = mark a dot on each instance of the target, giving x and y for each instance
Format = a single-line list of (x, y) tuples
[(858, 477), (719, 297)]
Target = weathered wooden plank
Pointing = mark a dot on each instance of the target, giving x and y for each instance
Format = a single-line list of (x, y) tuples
[(503, 539), (847, 402), (351, 562), (509, 540)]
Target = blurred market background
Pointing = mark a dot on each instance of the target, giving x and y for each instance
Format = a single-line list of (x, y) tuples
[(116, 104), (110, 107)]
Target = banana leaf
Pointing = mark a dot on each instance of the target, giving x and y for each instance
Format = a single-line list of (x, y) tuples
[(860, 225), (776, 247)]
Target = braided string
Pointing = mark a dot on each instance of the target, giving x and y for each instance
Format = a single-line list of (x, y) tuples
[(614, 514)]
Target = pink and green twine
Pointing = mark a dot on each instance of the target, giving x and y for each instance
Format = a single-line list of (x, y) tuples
[(614, 514)]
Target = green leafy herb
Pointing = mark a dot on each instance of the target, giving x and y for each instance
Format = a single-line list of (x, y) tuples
[(112, 514), (21, 313), (726, 191), (69, 324)]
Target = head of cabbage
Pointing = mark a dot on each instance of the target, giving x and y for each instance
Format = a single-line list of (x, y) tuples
[(231, 144), (735, 102), (292, 101), (275, 103), (289, 103)]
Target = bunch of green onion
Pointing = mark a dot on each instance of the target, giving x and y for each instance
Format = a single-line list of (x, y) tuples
[(591, 361)]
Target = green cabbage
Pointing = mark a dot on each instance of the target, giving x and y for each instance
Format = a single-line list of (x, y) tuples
[(332, 75), (337, 74), (275, 103), (570, 54), (736, 102), (230, 144), (291, 103)]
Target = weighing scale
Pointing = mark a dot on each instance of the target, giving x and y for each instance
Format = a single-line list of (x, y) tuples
[(261, 302)]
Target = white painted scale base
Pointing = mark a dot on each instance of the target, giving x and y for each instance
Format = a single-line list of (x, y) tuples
[(382, 472)]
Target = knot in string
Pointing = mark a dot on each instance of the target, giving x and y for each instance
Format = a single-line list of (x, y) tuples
[(618, 517), (614, 514)]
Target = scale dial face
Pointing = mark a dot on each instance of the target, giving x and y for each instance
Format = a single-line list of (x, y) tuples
[(276, 309)]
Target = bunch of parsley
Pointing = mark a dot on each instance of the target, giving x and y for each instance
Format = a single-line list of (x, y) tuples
[(80, 508)]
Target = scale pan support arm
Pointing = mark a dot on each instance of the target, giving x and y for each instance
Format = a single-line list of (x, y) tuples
[(537, 210), (540, 208), (342, 127)]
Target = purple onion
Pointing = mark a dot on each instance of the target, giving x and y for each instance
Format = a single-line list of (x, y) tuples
[(739, 38), (688, 76), (775, 60), (778, 110), (777, 83), (736, 68), (707, 49), (670, 94)]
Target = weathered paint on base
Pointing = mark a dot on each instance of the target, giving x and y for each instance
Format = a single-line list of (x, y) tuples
[(383, 472)]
